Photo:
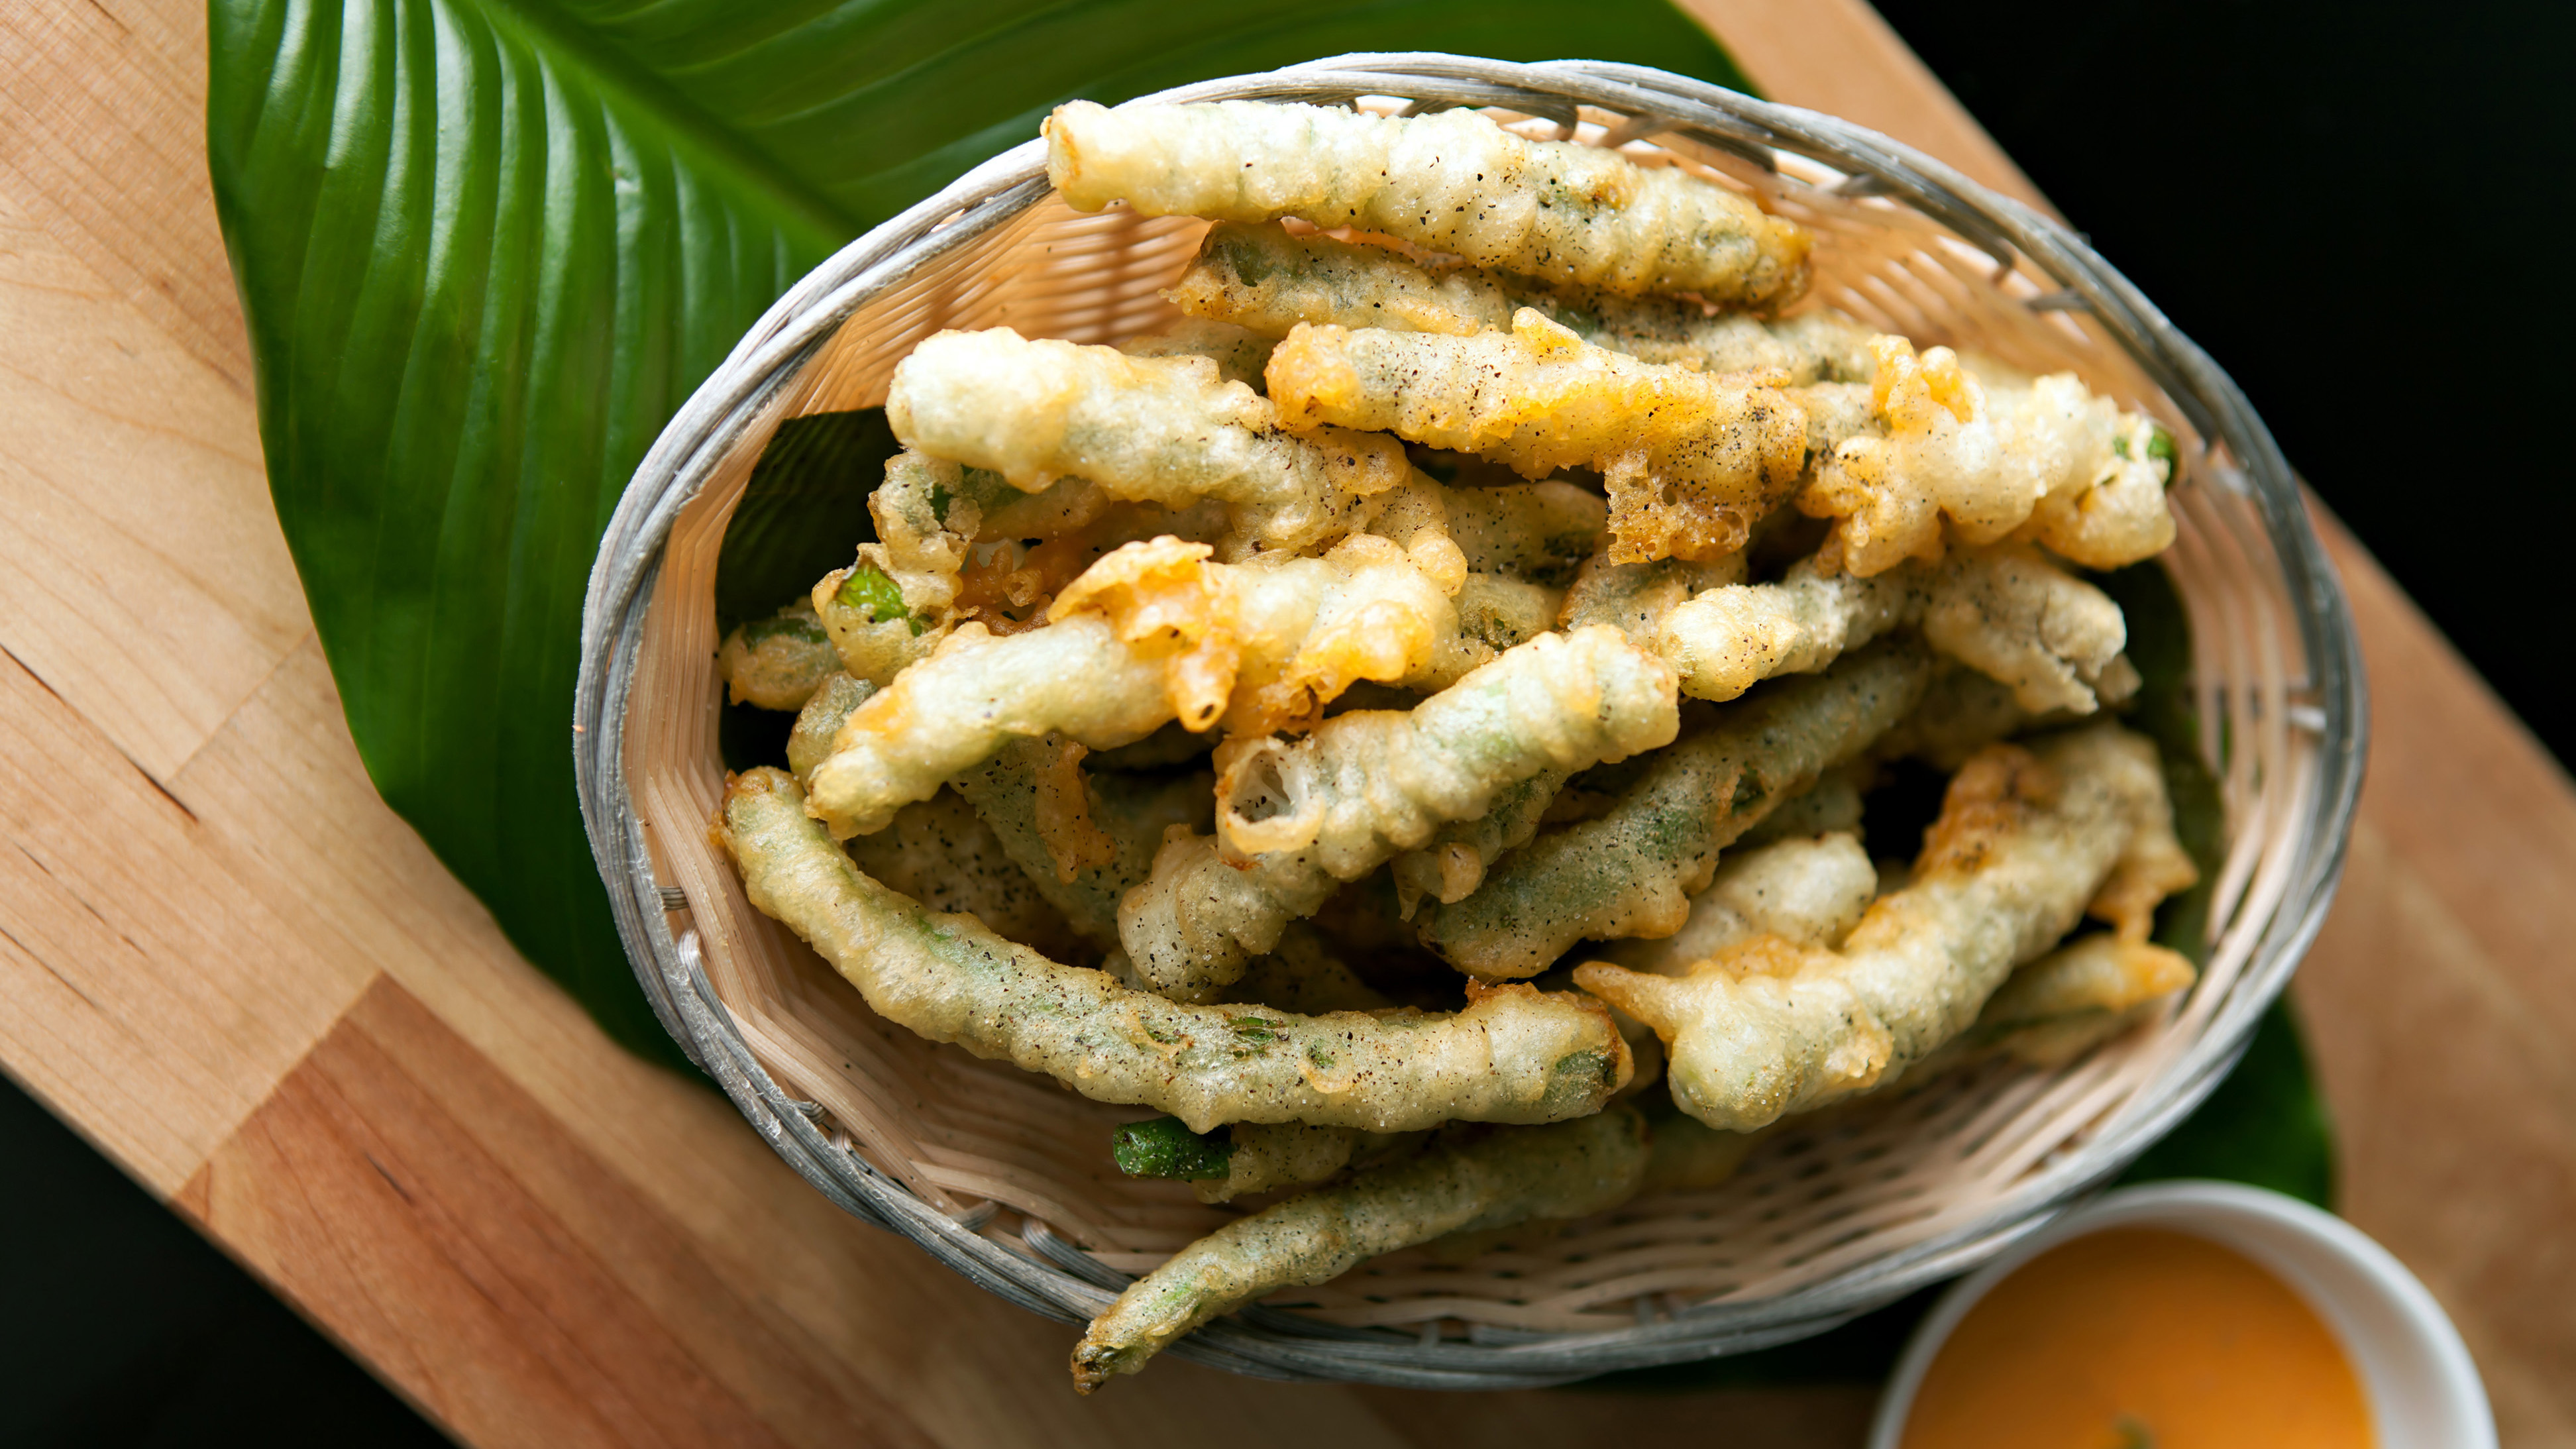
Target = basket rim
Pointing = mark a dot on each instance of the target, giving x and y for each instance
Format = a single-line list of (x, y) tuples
[(1064, 1282)]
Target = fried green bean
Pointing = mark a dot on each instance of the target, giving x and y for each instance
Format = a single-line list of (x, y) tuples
[(1464, 1183), (810, 742), (1633, 871), (1538, 532), (1453, 862), (1130, 813), (939, 854), (1810, 889), (1512, 1055), (1970, 452), (977, 691), (1637, 598), (1264, 279), (1165, 430), (1150, 633), (1370, 784), (776, 663), (2054, 639), (1450, 182), (2088, 991), (1690, 460), (2026, 837), (1239, 354), (1726, 640)]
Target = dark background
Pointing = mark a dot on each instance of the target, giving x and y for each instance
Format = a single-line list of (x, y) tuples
[(2359, 209)]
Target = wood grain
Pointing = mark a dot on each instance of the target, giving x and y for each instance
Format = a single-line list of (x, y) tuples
[(2437, 1004), (225, 961)]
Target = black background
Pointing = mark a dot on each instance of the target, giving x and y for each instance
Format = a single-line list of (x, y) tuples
[(2361, 210)]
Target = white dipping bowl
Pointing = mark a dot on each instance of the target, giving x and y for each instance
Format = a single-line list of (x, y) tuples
[(2424, 1391)]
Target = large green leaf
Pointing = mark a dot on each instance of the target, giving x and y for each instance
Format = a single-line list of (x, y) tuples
[(485, 247)]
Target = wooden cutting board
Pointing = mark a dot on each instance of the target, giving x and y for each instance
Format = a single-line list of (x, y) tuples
[(229, 966)]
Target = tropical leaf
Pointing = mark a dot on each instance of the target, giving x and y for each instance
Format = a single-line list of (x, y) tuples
[(485, 247)]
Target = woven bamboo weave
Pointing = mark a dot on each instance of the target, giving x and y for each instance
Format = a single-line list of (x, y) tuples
[(1007, 1177)]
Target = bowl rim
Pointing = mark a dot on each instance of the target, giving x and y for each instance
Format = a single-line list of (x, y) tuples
[(2197, 1206), (1064, 1282)]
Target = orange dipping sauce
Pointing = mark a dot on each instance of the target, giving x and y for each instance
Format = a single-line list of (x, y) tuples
[(2140, 1338)]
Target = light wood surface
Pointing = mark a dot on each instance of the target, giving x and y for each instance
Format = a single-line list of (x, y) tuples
[(229, 966)]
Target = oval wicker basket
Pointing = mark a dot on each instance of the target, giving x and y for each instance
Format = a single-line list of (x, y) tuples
[(1007, 1178)]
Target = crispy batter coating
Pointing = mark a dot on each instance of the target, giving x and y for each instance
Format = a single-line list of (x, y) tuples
[(2052, 1010), (1962, 712), (1985, 455), (871, 627), (1239, 353), (1726, 640), (978, 690), (1128, 814), (777, 662), (2120, 517), (810, 742), (1451, 182), (939, 854), (1636, 598), (1268, 1156), (1690, 459), (1151, 632), (1166, 430), (2012, 615), (1305, 975), (2026, 837), (1513, 1055), (1810, 890), (1632, 872), (1502, 613), (1453, 862), (1301, 818), (1463, 1183), (1831, 804), (1264, 279), (2054, 639), (1537, 532)]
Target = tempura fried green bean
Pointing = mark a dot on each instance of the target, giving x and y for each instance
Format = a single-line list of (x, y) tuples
[(1166, 430), (1726, 640), (1453, 862), (1239, 353), (810, 742), (1992, 456), (1463, 1184), (2054, 639), (1266, 280), (1690, 459), (1538, 532), (1130, 813), (777, 662), (1810, 890), (1633, 871), (1451, 182), (2026, 837), (2088, 991), (1367, 785), (1151, 632), (1512, 1055)]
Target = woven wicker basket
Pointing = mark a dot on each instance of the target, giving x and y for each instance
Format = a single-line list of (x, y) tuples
[(1007, 1178)]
